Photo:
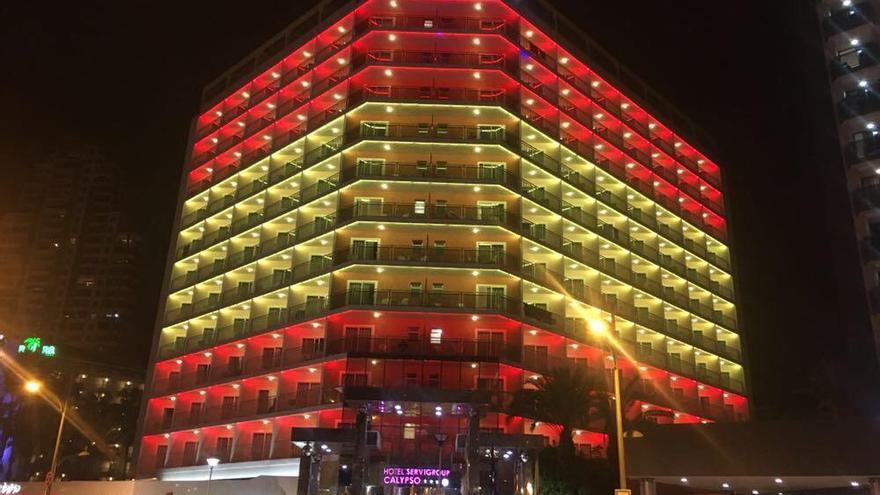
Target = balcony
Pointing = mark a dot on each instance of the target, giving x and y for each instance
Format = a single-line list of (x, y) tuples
[(866, 198), (407, 299), (858, 103), (510, 66), (858, 58), (847, 18), (472, 215), (394, 350), (862, 150)]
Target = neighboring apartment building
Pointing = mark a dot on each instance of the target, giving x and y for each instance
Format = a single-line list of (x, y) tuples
[(414, 209), (68, 258), (852, 48), (99, 437)]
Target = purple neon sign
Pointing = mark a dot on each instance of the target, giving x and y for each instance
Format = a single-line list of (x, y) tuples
[(412, 476)]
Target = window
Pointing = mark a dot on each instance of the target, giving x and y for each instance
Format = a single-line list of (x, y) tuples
[(490, 252), (378, 21), (361, 292), (370, 166), (412, 380), (312, 346), (367, 206), (354, 379), (436, 335), (419, 207), (437, 288), (490, 383), (490, 132), (381, 55), (490, 296), (490, 170), (490, 210), (379, 90), (374, 129), (415, 288), (850, 57), (433, 380), (489, 342), (365, 249), (409, 431), (357, 339)]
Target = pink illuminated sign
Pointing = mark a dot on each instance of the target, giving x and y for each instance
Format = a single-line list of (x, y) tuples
[(413, 476)]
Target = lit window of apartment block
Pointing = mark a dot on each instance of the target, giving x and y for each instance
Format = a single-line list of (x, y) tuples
[(416, 209)]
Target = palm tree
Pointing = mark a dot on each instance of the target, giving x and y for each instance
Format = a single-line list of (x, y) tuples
[(564, 398), (569, 397)]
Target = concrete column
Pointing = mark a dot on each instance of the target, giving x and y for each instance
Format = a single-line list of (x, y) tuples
[(647, 486)]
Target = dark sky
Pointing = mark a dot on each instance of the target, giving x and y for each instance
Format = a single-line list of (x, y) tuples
[(127, 76)]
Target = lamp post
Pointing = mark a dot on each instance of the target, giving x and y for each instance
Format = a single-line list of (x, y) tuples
[(212, 463), (34, 387), (599, 326)]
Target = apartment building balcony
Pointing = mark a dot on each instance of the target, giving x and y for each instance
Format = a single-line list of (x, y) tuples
[(854, 59), (846, 18), (866, 198), (404, 57), (411, 300), (858, 103), (863, 150), (385, 358)]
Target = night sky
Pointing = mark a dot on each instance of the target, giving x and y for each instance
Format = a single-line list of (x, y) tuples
[(127, 76)]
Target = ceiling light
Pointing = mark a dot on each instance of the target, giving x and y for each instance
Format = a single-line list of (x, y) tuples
[(392, 37), (529, 33)]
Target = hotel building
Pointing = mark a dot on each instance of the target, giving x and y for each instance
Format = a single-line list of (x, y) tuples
[(414, 209)]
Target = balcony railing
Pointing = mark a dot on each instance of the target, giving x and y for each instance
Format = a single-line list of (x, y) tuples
[(510, 65), (489, 175), (483, 215), (847, 18), (863, 56), (866, 198), (403, 299), (232, 409)]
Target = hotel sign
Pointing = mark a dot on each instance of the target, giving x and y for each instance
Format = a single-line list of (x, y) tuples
[(416, 476), (9, 488), (34, 345)]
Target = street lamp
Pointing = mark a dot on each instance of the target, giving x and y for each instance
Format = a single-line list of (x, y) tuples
[(599, 327), (212, 463), (34, 387)]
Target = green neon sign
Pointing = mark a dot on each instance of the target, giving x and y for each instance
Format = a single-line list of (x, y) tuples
[(34, 345)]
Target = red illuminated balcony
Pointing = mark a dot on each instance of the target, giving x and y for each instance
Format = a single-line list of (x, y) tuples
[(371, 368), (692, 186)]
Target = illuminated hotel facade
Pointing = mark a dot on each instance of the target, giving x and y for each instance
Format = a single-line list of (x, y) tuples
[(415, 210)]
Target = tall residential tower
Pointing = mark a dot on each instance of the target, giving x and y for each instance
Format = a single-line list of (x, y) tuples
[(413, 210), (852, 49)]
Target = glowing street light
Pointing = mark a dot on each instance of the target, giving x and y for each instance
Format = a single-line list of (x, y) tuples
[(212, 463), (34, 387), (601, 328)]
